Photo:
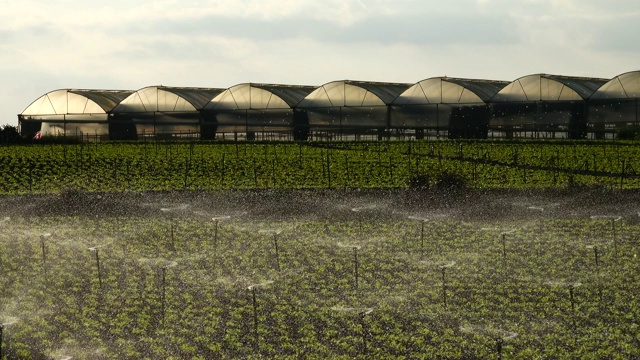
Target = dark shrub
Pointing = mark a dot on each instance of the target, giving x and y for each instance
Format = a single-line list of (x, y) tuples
[(420, 181), (9, 135), (629, 133), (450, 182)]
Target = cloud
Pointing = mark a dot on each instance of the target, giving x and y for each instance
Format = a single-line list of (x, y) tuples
[(219, 43)]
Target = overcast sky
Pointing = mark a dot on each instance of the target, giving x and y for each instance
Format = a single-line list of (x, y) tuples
[(48, 45)]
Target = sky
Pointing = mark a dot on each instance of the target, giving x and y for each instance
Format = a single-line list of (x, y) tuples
[(128, 45)]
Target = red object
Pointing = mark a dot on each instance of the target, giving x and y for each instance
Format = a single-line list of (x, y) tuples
[(37, 136)]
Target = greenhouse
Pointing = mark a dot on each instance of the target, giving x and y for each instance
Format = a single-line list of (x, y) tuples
[(543, 105), (160, 111), (533, 106), (71, 112), (614, 107), (256, 108), (446, 106), (351, 107)]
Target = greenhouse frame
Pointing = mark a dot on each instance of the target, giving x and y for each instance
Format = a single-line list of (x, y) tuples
[(348, 107), (532, 106), (160, 111), (614, 107), (543, 105), (71, 112), (256, 108), (452, 107)]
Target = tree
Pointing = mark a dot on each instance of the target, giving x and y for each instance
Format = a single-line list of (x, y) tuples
[(9, 134)]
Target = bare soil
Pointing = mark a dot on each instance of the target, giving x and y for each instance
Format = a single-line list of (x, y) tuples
[(493, 205)]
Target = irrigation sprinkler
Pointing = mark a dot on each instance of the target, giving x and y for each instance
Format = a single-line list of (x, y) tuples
[(595, 255), (254, 302), (356, 262), (613, 219), (216, 219), (570, 286), (2, 326), (362, 313), (275, 234), (43, 245), (498, 335), (504, 244), (503, 237), (168, 264), (357, 211), (173, 226), (96, 250), (422, 222), (443, 268)]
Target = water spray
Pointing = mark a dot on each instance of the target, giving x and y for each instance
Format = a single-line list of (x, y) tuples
[(357, 211), (613, 219)]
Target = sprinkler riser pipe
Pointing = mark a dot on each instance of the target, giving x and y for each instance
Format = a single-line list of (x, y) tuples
[(275, 244), (255, 315), (356, 266), (444, 287)]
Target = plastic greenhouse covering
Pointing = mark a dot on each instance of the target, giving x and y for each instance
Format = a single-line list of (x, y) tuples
[(160, 110), (615, 104), (539, 105), (71, 112), (544, 103), (349, 105), (255, 107), (445, 104)]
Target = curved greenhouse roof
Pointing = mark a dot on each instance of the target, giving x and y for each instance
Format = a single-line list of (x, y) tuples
[(625, 86), (353, 93), (545, 87), (445, 90), (259, 96), (71, 101), (166, 99)]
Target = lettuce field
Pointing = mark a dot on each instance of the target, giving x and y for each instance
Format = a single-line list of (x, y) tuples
[(352, 277), (337, 250), (145, 166)]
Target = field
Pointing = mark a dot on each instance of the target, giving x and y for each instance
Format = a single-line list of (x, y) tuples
[(320, 274), (336, 250), (147, 166)]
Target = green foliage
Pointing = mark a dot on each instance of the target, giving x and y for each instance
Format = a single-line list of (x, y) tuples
[(152, 166), (312, 309)]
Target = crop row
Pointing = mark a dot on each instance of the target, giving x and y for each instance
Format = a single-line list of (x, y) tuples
[(212, 166)]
